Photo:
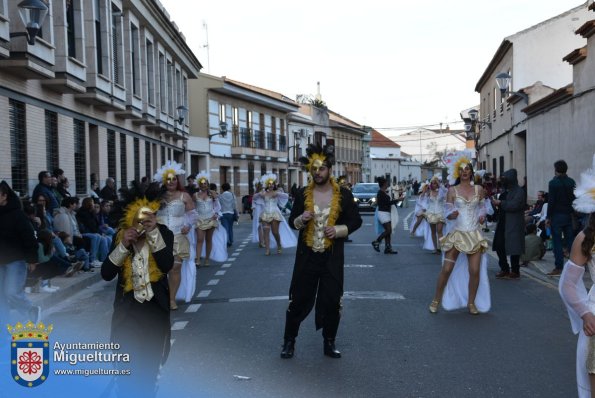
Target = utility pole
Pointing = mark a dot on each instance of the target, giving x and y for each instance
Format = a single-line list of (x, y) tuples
[(206, 28)]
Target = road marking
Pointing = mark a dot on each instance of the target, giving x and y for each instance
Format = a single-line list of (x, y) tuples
[(232, 259), (364, 295), (358, 266), (203, 293), (396, 245), (226, 266), (212, 282), (237, 252), (179, 325), (193, 307), (220, 273)]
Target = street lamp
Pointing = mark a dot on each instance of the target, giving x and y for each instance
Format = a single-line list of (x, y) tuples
[(474, 117), (33, 13), (222, 130), (503, 82), (182, 113)]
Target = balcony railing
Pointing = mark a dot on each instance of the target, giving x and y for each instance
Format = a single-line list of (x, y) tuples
[(259, 139), (271, 142), (282, 143)]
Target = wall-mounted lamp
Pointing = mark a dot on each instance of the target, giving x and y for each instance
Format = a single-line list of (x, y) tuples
[(222, 130), (503, 82), (182, 113), (474, 117), (33, 13)]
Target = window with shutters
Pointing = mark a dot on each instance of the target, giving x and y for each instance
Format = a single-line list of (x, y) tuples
[(80, 157), (123, 162), (150, 73), (134, 58), (111, 154), (117, 66), (18, 147), (51, 140)]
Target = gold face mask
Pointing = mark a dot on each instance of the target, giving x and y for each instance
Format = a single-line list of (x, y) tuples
[(316, 165), (170, 178), (141, 215)]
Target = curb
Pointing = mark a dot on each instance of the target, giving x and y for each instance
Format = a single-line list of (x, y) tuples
[(68, 287)]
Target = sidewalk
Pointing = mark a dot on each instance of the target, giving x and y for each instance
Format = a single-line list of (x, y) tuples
[(78, 282), (536, 269)]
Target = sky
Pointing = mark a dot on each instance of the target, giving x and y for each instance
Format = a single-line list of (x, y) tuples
[(390, 64)]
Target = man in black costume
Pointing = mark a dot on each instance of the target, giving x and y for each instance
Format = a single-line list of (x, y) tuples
[(141, 257), (325, 214)]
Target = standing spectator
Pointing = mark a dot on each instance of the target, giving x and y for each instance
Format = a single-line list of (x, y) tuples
[(559, 213), (18, 246), (227, 200), (109, 192), (45, 188), (383, 215), (509, 239)]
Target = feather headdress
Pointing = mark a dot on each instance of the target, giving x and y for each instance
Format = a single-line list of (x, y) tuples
[(203, 177), (585, 191), (455, 162), (268, 179), (170, 168), (317, 155)]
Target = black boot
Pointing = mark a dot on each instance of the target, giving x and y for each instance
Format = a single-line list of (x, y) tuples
[(376, 245), (389, 250), (288, 348), (330, 350)]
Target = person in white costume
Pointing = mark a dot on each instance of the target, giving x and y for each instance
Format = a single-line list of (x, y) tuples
[(433, 211), (207, 207), (257, 207), (177, 213), (273, 222), (419, 211), (579, 303), (463, 279)]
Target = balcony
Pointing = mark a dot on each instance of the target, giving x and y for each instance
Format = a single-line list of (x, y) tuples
[(250, 142)]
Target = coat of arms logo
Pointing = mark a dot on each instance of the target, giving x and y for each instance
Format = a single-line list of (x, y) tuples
[(30, 353)]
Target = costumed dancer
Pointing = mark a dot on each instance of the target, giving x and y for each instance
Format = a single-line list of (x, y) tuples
[(434, 215), (273, 222), (579, 303), (385, 213), (257, 207), (142, 254), (463, 279), (325, 215), (211, 241), (419, 212), (177, 213)]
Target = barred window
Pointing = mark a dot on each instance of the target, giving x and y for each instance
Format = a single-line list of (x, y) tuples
[(134, 44), (116, 46), (80, 157), (51, 140), (148, 160), (136, 159), (123, 171), (163, 155), (111, 153), (18, 147)]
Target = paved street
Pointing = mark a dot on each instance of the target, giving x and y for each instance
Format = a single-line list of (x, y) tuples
[(226, 342)]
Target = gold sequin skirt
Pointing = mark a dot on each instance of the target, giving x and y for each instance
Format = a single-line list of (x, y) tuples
[(465, 242), (268, 217), (181, 246), (207, 223), (435, 218)]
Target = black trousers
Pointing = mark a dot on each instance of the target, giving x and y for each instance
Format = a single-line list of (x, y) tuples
[(315, 285), (503, 261)]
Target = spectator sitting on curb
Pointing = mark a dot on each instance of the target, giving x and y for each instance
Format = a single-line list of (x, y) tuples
[(534, 246)]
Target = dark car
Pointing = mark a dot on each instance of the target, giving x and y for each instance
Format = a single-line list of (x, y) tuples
[(364, 195)]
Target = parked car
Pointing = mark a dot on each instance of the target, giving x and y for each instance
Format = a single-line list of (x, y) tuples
[(364, 195)]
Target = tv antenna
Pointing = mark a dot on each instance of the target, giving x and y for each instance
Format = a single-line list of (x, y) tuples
[(206, 45)]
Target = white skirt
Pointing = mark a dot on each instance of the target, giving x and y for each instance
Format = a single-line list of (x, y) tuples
[(384, 217)]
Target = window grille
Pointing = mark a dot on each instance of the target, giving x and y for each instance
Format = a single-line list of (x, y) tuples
[(150, 73), (98, 40), (136, 159), (51, 140), (134, 57), (111, 153), (117, 62), (163, 155), (123, 164), (18, 147), (148, 160), (80, 157)]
